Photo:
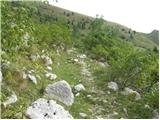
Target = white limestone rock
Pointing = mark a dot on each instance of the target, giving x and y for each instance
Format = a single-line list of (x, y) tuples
[(128, 91), (11, 99), (79, 87), (113, 86), (51, 76), (61, 91), (32, 78), (47, 109)]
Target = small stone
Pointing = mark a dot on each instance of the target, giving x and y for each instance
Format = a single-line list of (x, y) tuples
[(48, 61), (128, 91), (82, 115), (113, 86), (51, 76), (89, 96), (32, 78), (76, 60), (1, 77), (77, 94), (147, 106), (49, 68), (24, 75), (104, 101), (79, 87), (11, 99), (33, 57)]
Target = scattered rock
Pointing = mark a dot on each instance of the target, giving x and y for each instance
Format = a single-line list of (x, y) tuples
[(82, 115), (86, 72), (79, 87), (75, 60), (32, 78), (89, 96), (24, 75), (155, 115), (77, 94), (147, 106), (51, 76), (1, 77), (48, 61), (128, 91), (26, 36), (49, 68), (108, 92), (104, 101), (101, 64), (112, 115), (47, 109), (83, 56), (62, 91), (33, 57), (31, 71), (113, 86), (11, 99)]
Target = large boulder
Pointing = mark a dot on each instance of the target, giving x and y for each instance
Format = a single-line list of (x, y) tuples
[(113, 86), (61, 91), (128, 91), (47, 109)]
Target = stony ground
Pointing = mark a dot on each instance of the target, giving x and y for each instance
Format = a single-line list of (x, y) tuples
[(67, 78)]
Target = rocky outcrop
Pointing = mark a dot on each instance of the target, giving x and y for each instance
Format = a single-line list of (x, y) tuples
[(47, 109), (61, 91)]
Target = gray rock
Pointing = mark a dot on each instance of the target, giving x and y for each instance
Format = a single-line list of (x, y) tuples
[(11, 99), (47, 109), (79, 87), (113, 86), (48, 60), (61, 91)]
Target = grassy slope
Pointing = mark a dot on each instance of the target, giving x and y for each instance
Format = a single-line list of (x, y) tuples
[(27, 92)]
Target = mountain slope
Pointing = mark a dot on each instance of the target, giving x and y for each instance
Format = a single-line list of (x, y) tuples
[(116, 67)]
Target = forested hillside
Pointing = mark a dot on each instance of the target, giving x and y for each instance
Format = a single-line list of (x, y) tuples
[(84, 67)]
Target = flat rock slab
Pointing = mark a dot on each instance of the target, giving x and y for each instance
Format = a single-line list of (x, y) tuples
[(47, 109), (61, 91)]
